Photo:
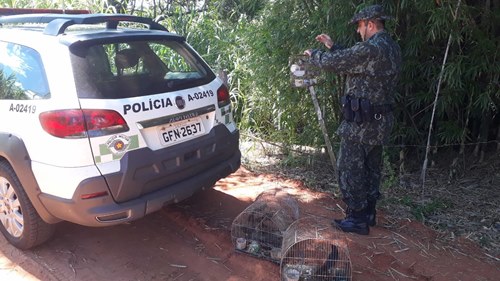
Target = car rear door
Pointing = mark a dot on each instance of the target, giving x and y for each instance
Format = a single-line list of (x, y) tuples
[(152, 94)]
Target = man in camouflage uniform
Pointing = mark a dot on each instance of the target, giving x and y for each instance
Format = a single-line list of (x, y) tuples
[(372, 68)]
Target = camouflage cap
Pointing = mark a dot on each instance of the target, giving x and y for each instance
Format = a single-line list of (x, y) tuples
[(370, 12)]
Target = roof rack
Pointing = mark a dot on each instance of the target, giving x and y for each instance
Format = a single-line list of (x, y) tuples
[(58, 23)]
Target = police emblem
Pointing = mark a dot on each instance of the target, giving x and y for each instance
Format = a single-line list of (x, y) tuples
[(118, 144)]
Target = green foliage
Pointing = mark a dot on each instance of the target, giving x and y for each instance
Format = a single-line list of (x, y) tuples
[(422, 28), (9, 89), (233, 10), (469, 71), (285, 114), (253, 41), (390, 177), (423, 210), (96, 6)]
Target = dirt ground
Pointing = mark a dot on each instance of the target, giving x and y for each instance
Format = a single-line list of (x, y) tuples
[(192, 241)]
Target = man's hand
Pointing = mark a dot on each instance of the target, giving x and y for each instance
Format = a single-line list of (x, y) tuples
[(325, 39)]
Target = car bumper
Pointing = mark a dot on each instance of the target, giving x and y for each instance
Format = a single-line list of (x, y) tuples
[(106, 210)]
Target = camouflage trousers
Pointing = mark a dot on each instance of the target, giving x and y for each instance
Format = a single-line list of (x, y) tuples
[(359, 167)]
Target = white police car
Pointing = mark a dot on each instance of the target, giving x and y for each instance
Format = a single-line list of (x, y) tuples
[(103, 124)]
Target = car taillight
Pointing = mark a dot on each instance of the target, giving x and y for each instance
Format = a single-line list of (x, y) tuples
[(223, 96), (76, 123)]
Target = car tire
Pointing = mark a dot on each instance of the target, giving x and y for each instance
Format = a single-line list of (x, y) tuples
[(19, 221)]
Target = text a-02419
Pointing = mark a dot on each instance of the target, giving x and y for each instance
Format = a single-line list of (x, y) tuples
[(180, 131)]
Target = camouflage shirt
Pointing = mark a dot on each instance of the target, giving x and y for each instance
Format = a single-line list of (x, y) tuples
[(372, 70)]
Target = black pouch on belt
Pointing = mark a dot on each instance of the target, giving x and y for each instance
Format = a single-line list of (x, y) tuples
[(366, 110), (345, 101), (356, 110)]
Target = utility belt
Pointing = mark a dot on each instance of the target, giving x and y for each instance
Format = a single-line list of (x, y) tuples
[(361, 110)]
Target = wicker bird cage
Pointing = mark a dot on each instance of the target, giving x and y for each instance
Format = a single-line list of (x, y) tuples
[(258, 230), (313, 250)]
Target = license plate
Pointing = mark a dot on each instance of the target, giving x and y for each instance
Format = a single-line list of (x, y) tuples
[(181, 131)]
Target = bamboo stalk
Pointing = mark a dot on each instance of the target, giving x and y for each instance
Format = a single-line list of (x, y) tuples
[(424, 168), (328, 143)]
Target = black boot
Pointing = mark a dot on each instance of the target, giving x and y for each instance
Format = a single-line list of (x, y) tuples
[(355, 221), (371, 212)]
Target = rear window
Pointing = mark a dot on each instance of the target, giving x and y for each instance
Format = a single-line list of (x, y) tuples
[(138, 68)]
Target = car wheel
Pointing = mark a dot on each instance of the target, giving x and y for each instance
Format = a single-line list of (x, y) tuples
[(20, 222)]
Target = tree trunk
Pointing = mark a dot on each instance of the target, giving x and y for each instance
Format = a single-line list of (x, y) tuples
[(464, 133), (482, 138), (498, 140), (402, 157)]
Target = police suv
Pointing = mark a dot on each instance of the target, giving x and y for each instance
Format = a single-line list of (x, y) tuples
[(105, 118)]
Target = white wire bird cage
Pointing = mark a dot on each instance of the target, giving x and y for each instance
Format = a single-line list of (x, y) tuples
[(314, 250), (258, 230), (303, 73)]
